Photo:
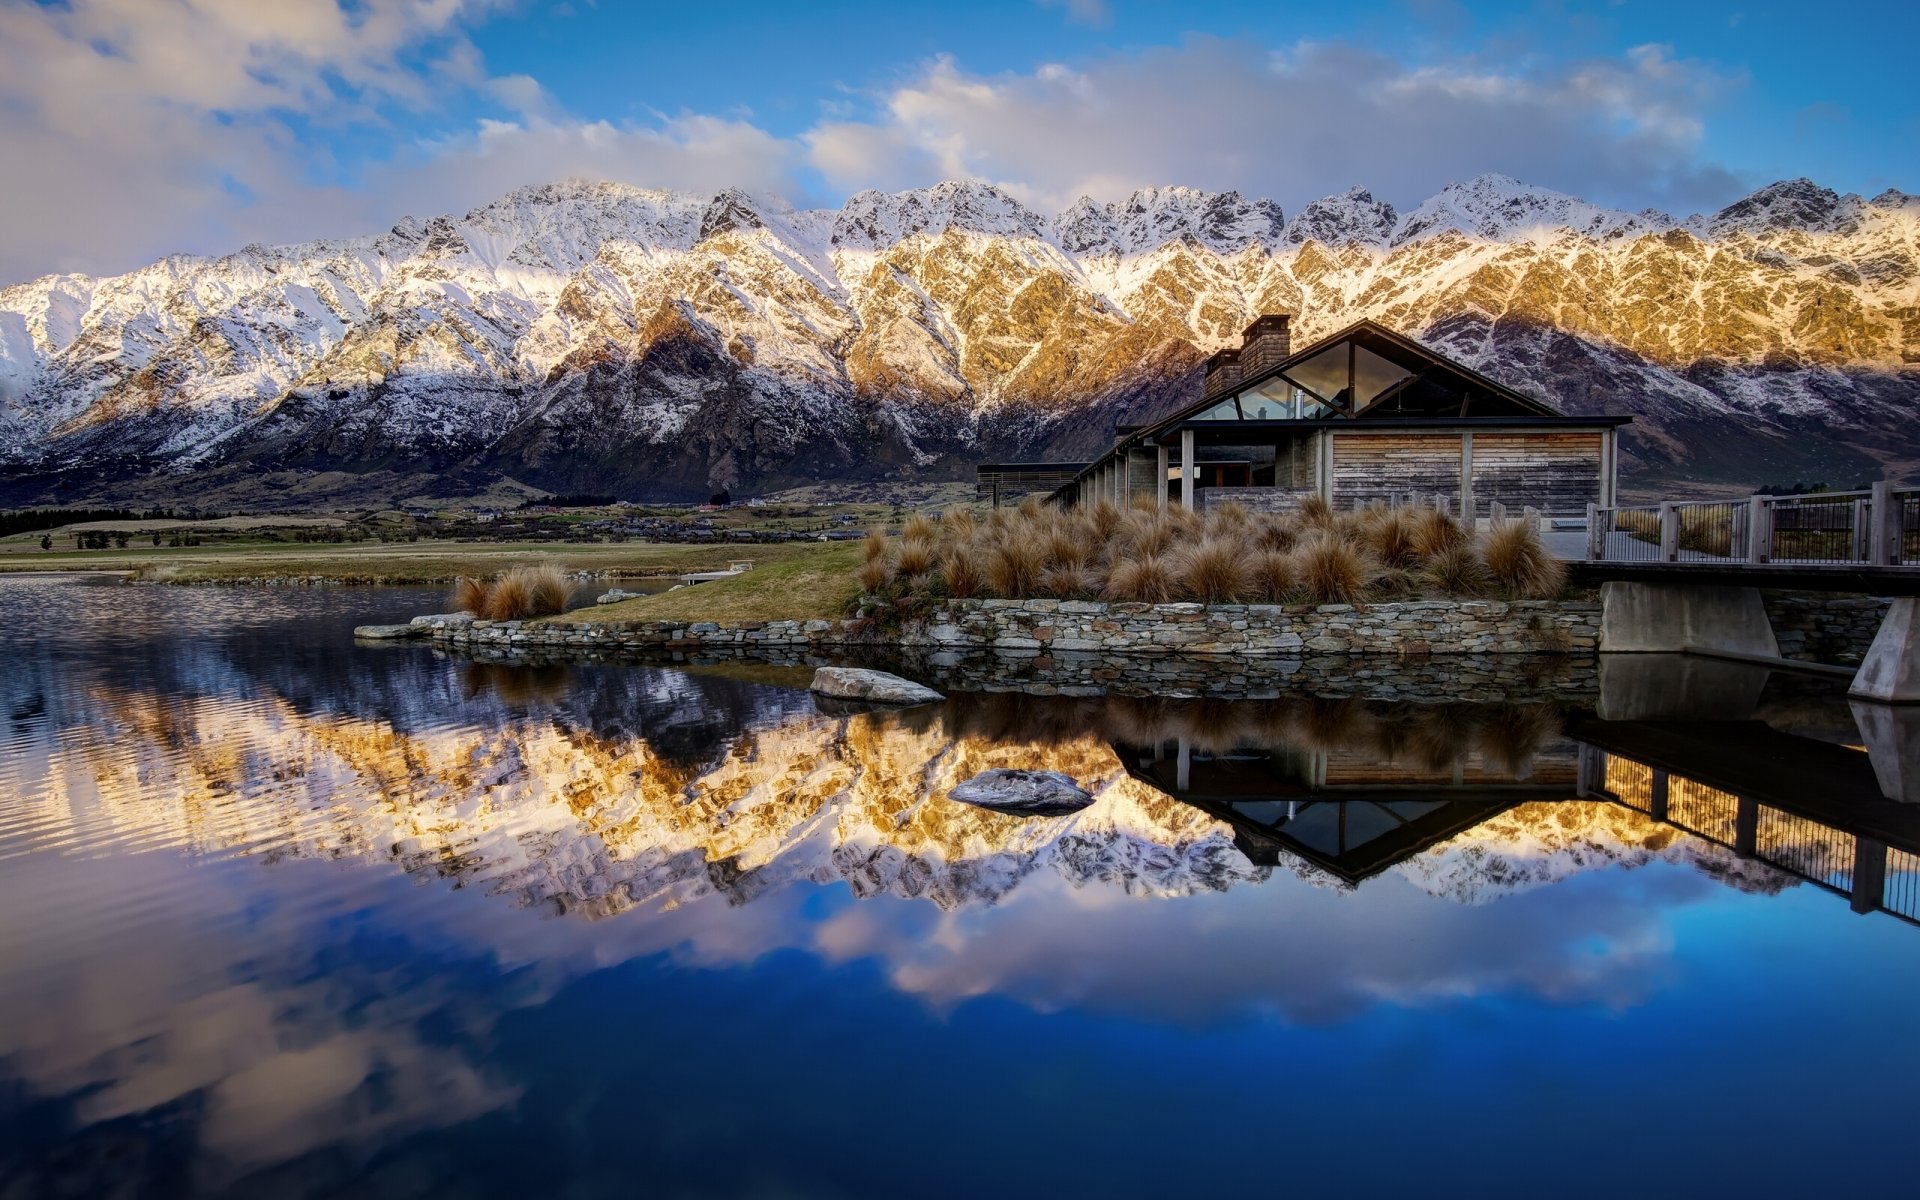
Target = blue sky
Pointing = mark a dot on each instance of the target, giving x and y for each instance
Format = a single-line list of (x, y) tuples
[(140, 127)]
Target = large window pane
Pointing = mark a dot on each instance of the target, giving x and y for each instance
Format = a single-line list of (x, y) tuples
[(1373, 375)]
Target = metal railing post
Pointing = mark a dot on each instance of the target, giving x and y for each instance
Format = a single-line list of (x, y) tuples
[(1886, 526), (1669, 532), (1595, 539), (1859, 541), (1759, 530)]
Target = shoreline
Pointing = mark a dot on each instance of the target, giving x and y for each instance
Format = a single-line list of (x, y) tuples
[(1032, 628)]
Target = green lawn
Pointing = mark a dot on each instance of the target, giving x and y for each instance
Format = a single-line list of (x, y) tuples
[(818, 581)]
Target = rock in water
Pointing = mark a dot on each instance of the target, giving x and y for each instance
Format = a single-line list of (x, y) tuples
[(389, 633), (878, 687), (1034, 793)]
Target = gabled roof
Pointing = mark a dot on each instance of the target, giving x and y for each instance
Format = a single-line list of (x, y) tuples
[(1426, 364)]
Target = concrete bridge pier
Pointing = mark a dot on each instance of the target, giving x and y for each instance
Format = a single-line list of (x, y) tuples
[(1891, 734), (1891, 671), (1670, 618)]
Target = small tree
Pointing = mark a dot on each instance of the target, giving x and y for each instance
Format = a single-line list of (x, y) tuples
[(46, 541)]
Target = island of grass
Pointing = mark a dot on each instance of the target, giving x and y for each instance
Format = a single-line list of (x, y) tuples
[(818, 580)]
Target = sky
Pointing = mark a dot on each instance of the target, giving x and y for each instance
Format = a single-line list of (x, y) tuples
[(131, 129)]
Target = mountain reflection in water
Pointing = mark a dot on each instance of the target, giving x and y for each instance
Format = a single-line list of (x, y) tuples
[(283, 915)]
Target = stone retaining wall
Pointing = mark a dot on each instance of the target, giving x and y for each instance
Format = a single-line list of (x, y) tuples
[(1031, 627), (1825, 629)]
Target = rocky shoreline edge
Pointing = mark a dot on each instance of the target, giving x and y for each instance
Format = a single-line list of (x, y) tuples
[(1036, 627)]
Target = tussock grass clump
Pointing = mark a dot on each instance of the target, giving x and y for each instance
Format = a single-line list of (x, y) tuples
[(1458, 571), (875, 574), (960, 565), (1214, 570), (540, 590), (470, 595), (1519, 562), (1390, 534), (1271, 579), (1333, 570), (916, 556), (921, 528), (1068, 581), (1147, 580), (1435, 532), (1014, 566)]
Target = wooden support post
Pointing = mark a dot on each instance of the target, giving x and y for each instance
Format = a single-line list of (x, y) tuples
[(1659, 793), (1886, 526), (1669, 532), (1596, 540), (1187, 472), (1160, 487), (1869, 875), (1468, 512)]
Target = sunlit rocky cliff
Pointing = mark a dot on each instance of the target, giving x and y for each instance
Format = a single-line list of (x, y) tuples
[(600, 337)]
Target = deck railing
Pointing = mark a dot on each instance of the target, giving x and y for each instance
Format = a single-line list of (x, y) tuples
[(1877, 527)]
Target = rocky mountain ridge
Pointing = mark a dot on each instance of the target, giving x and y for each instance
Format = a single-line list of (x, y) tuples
[(595, 336)]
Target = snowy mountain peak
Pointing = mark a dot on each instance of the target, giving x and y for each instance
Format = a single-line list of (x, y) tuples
[(1791, 204), (1501, 208), (1087, 227), (1352, 216), (873, 220)]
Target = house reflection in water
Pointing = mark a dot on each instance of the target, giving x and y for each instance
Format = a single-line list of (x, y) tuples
[(1345, 810), (1805, 806)]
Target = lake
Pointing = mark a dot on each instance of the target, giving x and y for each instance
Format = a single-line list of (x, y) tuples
[(286, 916)]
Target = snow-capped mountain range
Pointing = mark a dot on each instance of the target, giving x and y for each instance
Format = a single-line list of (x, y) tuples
[(599, 337)]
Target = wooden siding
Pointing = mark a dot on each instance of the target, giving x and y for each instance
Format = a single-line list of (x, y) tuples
[(1557, 473), (1379, 467)]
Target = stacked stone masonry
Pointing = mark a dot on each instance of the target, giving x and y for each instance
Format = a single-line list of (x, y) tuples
[(1034, 627), (1826, 629)]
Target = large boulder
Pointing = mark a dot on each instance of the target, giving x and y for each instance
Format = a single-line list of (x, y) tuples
[(1029, 793), (875, 687)]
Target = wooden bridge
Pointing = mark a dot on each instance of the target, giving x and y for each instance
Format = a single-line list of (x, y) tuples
[(1685, 575)]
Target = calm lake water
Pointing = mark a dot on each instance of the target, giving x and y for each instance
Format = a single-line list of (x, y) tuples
[(286, 916)]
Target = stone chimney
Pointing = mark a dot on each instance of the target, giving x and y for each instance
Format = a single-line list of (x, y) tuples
[(1223, 373), (1267, 341)]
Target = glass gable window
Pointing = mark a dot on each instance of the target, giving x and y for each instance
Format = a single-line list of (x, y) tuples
[(1226, 410), (1373, 375), (1325, 374)]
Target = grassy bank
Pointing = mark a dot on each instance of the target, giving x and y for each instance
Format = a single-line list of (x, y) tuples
[(815, 580), (407, 563)]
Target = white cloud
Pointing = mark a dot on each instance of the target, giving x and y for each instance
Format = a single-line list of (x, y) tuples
[(134, 128), (1295, 124)]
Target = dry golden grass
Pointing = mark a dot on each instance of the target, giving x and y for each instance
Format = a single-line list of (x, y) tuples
[(916, 555), (1229, 555), (1271, 577), (539, 590), (1146, 580), (470, 595), (1333, 570), (1213, 570), (1458, 571), (1520, 563), (1013, 567)]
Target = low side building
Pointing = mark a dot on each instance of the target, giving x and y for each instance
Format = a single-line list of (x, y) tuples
[(1365, 415)]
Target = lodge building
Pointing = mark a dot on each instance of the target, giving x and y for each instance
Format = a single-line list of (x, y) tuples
[(1362, 416)]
